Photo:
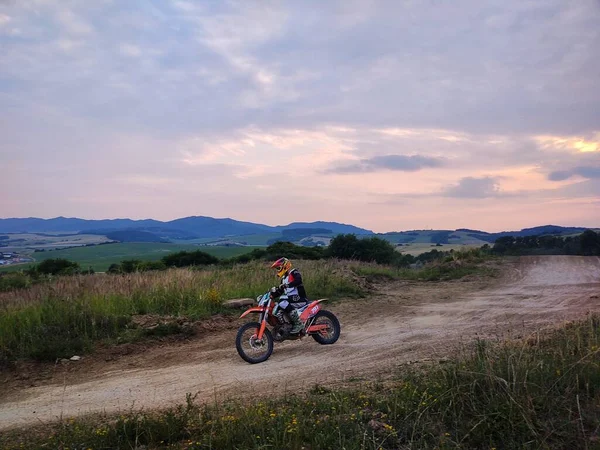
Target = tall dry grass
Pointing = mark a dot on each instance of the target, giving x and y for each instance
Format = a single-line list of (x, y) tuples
[(67, 315)]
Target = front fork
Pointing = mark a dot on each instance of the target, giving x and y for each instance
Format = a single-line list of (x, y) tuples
[(263, 320), (263, 326)]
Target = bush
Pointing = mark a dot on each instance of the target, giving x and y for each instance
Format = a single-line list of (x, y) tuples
[(348, 246), (114, 268), (289, 250), (13, 281), (184, 259), (152, 265), (130, 265), (135, 265), (57, 266), (278, 250)]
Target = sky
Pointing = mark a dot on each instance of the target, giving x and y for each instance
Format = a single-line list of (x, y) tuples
[(389, 115)]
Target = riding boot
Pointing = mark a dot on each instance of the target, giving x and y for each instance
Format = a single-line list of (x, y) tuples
[(296, 322)]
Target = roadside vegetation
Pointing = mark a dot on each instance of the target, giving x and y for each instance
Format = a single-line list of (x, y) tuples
[(540, 392), (66, 316), (44, 271), (434, 265)]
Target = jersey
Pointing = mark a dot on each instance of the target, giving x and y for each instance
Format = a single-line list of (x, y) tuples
[(295, 286)]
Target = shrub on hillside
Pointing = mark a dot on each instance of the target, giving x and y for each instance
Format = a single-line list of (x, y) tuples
[(13, 281), (289, 250), (348, 246), (135, 265), (57, 266), (278, 250), (184, 259)]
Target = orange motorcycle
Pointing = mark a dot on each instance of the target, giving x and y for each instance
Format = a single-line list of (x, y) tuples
[(254, 341)]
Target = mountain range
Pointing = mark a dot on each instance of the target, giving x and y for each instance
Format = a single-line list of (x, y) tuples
[(185, 228), (201, 227)]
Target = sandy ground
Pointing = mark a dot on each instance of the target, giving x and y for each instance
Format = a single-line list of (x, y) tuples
[(401, 322)]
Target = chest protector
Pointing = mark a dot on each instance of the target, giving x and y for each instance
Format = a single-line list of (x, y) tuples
[(297, 292)]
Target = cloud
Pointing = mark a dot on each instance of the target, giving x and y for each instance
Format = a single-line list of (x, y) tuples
[(471, 187), (589, 172), (73, 23), (580, 190), (245, 95), (285, 65), (402, 163), (130, 50)]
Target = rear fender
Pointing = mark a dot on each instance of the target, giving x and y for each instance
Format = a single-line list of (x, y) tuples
[(311, 310), (256, 309)]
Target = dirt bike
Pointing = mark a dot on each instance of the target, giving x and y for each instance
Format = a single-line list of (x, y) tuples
[(254, 341)]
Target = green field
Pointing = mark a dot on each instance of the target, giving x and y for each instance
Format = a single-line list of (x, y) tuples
[(100, 257), (428, 237), (419, 248)]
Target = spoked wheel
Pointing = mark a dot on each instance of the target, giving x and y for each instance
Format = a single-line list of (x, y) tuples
[(250, 348), (331, 328)]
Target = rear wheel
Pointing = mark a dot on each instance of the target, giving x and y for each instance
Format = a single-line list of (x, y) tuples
[(332, 330), (249, 347)]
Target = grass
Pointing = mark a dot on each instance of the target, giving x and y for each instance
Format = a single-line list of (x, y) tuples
[(542, 392), (13, 281), (100, 257), (67, 316), (461, 264)]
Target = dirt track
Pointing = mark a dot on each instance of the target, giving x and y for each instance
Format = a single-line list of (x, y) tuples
[(402, 322)]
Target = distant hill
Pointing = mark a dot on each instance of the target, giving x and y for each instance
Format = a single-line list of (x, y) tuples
[(471, 237), (60, 224), (334, 227), (535, 231), (184, 228), (201, 228), (208, 227)]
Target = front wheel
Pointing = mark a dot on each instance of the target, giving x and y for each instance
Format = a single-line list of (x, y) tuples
[(331, 328), (249, 347)]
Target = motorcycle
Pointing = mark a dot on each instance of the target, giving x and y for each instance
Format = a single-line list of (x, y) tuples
[(254, 341)]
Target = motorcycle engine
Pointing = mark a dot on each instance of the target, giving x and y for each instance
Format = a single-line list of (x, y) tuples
[(282, 331)]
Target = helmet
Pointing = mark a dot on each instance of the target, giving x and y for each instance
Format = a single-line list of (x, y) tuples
[(282, 266)]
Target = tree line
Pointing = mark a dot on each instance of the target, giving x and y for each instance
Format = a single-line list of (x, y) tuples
[(584, 244), (343, 246)]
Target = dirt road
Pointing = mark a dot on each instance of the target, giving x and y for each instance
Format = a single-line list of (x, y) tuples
[(401, 322)]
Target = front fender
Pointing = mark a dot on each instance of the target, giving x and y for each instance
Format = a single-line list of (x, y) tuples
[(255, 309)]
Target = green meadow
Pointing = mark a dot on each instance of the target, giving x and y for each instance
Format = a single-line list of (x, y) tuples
[(100, 257)]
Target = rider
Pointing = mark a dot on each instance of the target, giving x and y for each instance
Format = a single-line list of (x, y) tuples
[(291, 292)]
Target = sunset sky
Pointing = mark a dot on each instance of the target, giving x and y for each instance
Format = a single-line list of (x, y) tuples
[(390, 115)]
